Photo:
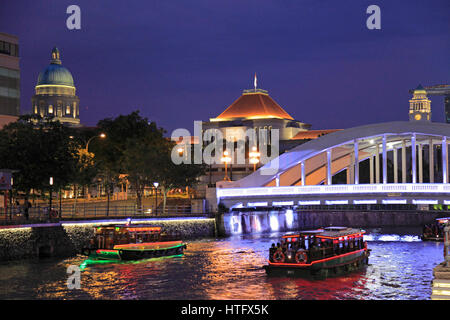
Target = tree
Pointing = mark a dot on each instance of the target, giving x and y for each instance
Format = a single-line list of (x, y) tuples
[(131, 146), (38, 149), (172, 176)]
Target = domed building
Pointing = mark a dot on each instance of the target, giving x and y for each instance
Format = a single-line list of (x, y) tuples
[(55, 93)]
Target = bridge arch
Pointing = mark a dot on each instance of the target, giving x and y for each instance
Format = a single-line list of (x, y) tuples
[(317, 161)]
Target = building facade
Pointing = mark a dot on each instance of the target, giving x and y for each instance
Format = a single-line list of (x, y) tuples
[(255, 109), (9, 76), (419, 105), (55, 93)]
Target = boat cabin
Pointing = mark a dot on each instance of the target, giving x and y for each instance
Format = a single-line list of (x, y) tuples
[(106, 237), (321, 243)]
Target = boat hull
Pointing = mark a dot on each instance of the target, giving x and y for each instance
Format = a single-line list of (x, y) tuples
[(137, 251), (323, 268), (136, 254), (438, 239)]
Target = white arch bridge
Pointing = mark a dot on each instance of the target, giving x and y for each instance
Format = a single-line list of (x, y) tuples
[(387, 163)]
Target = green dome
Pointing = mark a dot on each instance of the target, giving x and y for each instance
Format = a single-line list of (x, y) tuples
[(55, 73)]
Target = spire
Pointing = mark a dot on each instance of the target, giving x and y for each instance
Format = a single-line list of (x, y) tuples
[(55, 56), (255, 82)]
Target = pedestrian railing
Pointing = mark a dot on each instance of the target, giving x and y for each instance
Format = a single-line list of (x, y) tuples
[(92, 211)]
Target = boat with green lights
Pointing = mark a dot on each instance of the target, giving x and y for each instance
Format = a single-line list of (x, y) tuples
[(320, 253), (131, 242)]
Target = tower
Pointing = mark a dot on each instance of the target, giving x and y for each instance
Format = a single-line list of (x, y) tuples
[(419, 105), (55, 93)]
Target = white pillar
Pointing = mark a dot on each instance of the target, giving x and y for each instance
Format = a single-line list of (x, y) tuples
[(444, 160), (431, 160), (302, 165), (413, 158), (377, 164), (384, 160), (329, 182), (371, 169), (395, 165), (403, 161), (356, 153), (420, 164), (277, 180)]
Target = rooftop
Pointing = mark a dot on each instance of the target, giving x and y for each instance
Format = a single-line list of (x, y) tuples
[(253, 104)]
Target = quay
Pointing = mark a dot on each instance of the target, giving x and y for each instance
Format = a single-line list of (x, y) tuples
[(441, 273)]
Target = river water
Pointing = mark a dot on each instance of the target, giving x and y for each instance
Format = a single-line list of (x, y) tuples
[(230, 268)]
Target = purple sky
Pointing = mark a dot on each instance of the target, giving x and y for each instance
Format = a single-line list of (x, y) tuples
[(178, 61)]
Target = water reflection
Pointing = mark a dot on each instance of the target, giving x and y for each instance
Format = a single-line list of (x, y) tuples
[(400, 267)]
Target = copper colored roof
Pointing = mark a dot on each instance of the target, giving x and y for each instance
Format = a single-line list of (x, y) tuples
[(312, 134), (254, 105)]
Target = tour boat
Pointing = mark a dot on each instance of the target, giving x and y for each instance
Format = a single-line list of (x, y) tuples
[(435, 232), (319, 253), (131, 242)]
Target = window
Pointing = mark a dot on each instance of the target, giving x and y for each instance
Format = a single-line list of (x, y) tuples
[(68, 110), (50, 109)]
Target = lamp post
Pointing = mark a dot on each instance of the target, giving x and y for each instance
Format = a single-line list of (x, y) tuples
[(254, 157), (101, 135), (156, 184), (11, 198), (51, 186), (225, 159)]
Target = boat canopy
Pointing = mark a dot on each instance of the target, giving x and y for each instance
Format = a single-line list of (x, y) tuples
[(328, 233)]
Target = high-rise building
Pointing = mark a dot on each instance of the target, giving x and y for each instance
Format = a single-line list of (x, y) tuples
[(55, 93), (9, 76), (419, 106)]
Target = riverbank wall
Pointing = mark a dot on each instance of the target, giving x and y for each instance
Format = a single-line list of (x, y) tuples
[(68, 238)]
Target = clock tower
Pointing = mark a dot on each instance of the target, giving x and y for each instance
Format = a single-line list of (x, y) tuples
[(419, 105)]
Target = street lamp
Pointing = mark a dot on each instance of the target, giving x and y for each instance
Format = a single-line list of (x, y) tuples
[(156, 184), (102, 135), (51, 185), (254, 157), (225, 159)]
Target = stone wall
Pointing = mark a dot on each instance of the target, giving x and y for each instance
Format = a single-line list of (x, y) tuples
[(64, 240)]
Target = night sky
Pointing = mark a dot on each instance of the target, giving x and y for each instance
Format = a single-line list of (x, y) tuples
[(178, 61)]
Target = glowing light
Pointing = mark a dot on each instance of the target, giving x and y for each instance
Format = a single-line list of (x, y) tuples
[(394, 201), (289, 218), (274, 225), (333, 189), (235, 225), (257, 204), (425, 201), (373, 201), (309, 202), (283, 203), (331, 202)]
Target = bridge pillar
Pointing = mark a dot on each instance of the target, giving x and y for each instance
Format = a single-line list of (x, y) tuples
[(371, 169), (329, 177), (384, 160), (356, 155), (444, 160), (404, 161), (377, 164), (395, 165), (413, 158), (420, 163), (431, 160), (302, 166)]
